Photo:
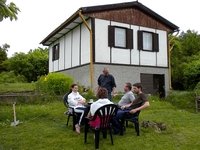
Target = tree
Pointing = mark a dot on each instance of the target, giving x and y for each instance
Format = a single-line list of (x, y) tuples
[(8, 10), (190, 43), (185, 60), (3, 55), (30, 65), (40, 62), (191, 74)]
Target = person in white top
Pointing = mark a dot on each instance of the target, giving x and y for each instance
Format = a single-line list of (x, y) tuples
[(76, 101), (103, 100)]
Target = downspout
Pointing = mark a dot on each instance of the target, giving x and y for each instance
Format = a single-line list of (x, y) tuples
[(169, 50), (91, 51)]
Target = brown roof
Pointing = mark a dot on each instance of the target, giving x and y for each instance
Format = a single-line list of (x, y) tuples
[(75, 20)]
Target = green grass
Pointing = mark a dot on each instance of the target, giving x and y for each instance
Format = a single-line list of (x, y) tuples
[(182, 99), (16, 87), (43, 127)]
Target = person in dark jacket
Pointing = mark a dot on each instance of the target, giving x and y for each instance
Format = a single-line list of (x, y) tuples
[(107, 81)]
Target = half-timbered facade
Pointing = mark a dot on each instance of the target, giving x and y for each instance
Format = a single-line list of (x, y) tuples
[(129, 38)]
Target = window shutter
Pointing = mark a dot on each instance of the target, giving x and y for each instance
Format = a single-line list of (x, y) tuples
[(58, 51), (155, 42), (129, 38), (140, 40), (111, 37)]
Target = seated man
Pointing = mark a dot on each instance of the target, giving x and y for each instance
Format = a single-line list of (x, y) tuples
[(128, 97), (132, 108)]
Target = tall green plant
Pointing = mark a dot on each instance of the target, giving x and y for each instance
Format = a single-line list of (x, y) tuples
[(54, 83), (10, 77)]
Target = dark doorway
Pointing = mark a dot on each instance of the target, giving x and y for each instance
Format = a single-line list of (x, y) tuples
[(153, 84)]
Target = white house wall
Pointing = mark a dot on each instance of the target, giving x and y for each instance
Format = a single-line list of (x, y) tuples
[(50, 59), (135, 54), (61, 54), (76, 47), (68, 51), (55, 65), (162, 55), (102, 51), (105, 54), (85, 44), (120, 56)]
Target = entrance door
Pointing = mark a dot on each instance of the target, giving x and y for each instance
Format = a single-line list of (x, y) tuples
[(159, 84), (153, 84)]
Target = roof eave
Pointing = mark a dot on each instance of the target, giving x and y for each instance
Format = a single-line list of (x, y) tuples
[(60, 27)]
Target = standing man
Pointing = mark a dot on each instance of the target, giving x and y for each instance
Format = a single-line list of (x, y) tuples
[(107, 81), (128, 97), (141, 102)]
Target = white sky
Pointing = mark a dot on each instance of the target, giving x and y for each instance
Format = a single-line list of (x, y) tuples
[(40, 17)]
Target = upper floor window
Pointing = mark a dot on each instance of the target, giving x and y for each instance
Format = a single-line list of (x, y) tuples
[(56, 49), (148, 41), (120, 37)]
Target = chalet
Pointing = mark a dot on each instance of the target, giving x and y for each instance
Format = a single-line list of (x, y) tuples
[(129, 38)]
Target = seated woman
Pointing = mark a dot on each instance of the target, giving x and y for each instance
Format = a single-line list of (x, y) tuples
[(103, 100), (76, 101)]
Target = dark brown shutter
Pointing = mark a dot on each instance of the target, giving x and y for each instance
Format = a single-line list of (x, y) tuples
[(58, 51), (111, 36), (140, 40), (129, 38), (155, 42)]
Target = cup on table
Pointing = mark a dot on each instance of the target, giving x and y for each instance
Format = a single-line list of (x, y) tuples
[(91, 100)]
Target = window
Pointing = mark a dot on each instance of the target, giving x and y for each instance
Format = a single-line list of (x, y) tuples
[(148, 41), (55, 49), (120, 37)]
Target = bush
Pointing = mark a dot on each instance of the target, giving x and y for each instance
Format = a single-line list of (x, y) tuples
[(191, 74), (10, 77), (54, 83)]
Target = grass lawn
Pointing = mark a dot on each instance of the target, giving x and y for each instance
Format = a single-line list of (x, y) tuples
[(16, 87), (43, 127)]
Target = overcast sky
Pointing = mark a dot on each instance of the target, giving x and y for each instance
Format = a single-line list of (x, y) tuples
[(40, 17)]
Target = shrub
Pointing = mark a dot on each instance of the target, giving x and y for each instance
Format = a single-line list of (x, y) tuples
[(191, 74), (10, 77), (54, 83)]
